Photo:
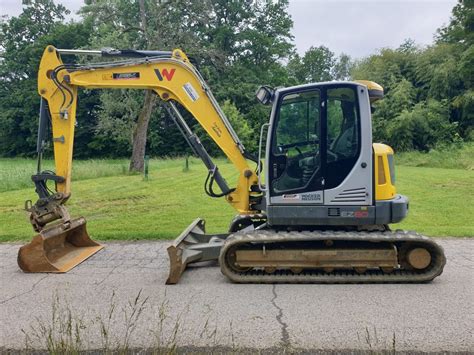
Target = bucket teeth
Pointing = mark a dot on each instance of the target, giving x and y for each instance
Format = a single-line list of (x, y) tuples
[(58, 249)]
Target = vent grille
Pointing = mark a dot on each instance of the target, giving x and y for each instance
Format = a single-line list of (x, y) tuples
[(334, 212), (351, 195)]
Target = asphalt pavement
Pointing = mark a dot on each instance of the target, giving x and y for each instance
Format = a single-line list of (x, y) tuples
[(118, 299)]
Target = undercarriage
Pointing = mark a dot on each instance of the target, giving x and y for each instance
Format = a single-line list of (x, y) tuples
[(268, 255)]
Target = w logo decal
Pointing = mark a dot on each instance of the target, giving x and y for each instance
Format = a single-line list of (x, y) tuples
[(168, 75)]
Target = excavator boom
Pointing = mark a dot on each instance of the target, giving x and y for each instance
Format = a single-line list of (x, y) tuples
[(63, 242)]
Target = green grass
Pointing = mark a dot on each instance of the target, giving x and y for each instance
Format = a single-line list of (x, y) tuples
[(128, 207), (448, 158), (441, 200), (16, 173), (122, 206)]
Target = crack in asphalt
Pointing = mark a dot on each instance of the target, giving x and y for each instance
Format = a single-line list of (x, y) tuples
[(120, 264), (110, 272), (24, 293), (107, 276), (285, 336)]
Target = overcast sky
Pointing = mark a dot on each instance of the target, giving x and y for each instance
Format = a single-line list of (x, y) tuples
[(355, 27), (359, 27)]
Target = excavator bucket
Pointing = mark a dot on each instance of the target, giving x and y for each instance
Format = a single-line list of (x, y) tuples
[(192, 246), (58, 249)]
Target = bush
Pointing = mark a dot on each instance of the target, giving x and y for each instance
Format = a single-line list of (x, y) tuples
[(422, 128)]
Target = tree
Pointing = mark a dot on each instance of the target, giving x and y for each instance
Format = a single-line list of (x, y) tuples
[(236, 45), (342, 67), (460, 29), (128, 26), (316, 65), (241, 126), (459, 36), (23, 39), (142, 25), (250, 41)]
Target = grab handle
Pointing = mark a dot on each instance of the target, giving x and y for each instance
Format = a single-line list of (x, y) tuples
[(259, 166)]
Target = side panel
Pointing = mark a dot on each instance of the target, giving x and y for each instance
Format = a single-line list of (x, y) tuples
[(384, 212), (321, 215)]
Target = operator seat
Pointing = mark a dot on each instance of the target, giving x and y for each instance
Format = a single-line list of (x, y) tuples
[(346, 141)]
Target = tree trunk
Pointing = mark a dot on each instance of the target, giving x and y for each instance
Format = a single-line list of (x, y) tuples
[(140, 132)]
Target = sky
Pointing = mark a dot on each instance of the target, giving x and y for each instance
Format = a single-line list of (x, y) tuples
[(354, 27), (360, 27)]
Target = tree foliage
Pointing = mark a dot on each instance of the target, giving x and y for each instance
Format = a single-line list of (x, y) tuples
[(23, 40), (237, 46), (428, 91)]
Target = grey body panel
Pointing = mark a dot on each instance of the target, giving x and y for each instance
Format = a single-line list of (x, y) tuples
[(384, 212), (393, 210)]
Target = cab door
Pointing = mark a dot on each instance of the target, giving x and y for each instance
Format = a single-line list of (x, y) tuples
[(296, 154)]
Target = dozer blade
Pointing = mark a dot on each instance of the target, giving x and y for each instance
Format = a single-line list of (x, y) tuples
[(192, 246), (58, 249)]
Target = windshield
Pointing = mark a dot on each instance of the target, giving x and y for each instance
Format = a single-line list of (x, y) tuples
[(298, 123)]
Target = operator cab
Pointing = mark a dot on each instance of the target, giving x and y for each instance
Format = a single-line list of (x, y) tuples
[(319, 153), (300, 134)]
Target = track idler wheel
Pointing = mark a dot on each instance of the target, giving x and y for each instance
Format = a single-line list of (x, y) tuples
[(232, 261), (419, 258), (414, 257)]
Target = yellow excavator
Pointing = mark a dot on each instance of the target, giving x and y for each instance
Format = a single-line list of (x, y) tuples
[(313, 206)]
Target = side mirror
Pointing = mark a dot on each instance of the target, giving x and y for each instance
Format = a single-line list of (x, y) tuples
[(265, 94)]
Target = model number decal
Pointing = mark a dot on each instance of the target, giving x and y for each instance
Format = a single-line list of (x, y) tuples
[(361, 214), (119, 76), (355, 214)]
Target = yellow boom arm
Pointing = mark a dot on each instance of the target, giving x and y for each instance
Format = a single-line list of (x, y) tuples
[(172, 77)]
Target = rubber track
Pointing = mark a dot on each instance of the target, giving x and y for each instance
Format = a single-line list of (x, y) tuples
[(338, 276)]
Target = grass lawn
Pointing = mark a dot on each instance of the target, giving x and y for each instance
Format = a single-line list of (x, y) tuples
[(125, 206), (441, 200), (121, 206)]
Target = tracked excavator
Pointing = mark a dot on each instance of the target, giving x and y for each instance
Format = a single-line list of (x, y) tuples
[(313, 206)]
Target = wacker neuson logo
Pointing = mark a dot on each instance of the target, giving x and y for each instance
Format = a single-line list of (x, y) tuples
[(311, 197), (165, 74)]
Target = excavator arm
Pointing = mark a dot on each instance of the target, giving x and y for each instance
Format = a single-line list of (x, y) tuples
[(175, 80)]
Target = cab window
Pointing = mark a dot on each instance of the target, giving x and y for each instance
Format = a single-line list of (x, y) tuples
[(297, 140), (342, 134)]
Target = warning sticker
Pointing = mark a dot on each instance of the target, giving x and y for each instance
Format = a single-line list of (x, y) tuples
[(192, 93)]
